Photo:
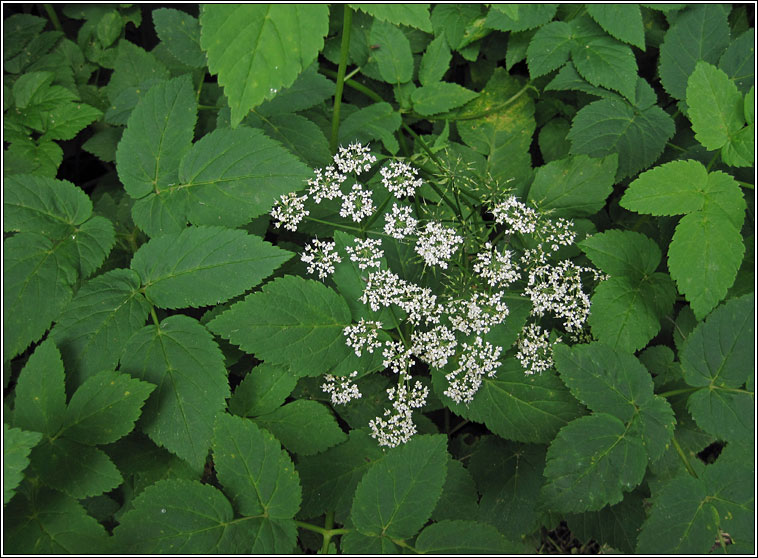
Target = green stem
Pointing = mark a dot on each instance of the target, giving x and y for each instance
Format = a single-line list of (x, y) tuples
[(354, 72), (156, 321), (345, 227), (683, 457), (746, 185), (668, 143), (53, 16), (402, 544), (344, 51), (328, 524), (678, 391), (320, 530), (713, 161), (207, 107), (355, 85)]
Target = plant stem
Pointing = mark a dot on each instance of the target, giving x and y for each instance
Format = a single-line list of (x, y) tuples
[(344, 51), (355, 85), (745, 184), (320, 530), (345, 227), (156, 321), (53, 16), (683, 457), (328, 524), (678, 391)]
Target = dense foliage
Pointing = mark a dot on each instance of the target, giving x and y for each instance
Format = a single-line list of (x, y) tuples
[(378, 278)]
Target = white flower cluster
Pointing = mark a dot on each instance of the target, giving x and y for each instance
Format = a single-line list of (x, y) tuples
[(289, 211), (535, 352), (354, 158), (385, 288), (326, 185), (518, 216), (437, 244), (363, 336), (366, 253), (341, 388), (478, 314), (396, 357), (476, 361), (320, 256), (400, 178), (357, 204), (400, 223), (396, 426), (435, 346), (558, 290), (497, 268)]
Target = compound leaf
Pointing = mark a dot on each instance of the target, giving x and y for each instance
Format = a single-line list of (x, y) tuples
[(463, 537), (549, 48), (303, 427), (715, 106), (440, 97), (605, 62), (622, 253), (623, 21), (412, 15), (519, 17), (459, 497), (738, 61), (436, 61), (377, 121), (180, 32), (393, 57), (262, 390), (17, 444), (669, 189), (616, 526)]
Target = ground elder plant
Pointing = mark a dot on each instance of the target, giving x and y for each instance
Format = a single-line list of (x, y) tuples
[(364, 278)]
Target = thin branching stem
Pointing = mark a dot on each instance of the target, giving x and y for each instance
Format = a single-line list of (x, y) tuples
[(344, 51)]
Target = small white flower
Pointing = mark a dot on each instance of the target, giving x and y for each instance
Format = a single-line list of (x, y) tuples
[(396, 426), (354, 158), (497, 268), (437, 244), (357, 204), (558, 290), (341, 388), (385, 288), (289, 210), (476, 362), (366, 253), (478, 314), (400, 223), (400, 178), (320, 256), (396, 357), (435, 346), (516, 215), (364, 334), (535, 352), (326, 184)]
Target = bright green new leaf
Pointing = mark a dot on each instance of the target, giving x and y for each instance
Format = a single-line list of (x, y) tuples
[(104, 408), (575, 186), (617, 526), (132, 69), (623, 21), (393, 56), (262, 390), (204, 265), (309, 89), (549, 48), (180, 32), (605, 62), (97, 323), (715, 106), (699, 33), (254, 470), (459, 498), (182, 359), (256, 49), (291, 321), (519, 17), (622, 253), (463, 537), (669, 189), (377, 121), (303, 427), (591, 463), (17, 444), (440, 97), (436, 61), (740, 151), (397, 495), (412, 15)]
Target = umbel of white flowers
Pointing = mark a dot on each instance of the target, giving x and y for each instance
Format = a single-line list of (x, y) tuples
[(446, 334)]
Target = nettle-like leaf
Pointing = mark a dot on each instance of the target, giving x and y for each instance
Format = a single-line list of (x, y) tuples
[(435, 62), (17, 444), (440, 97), (519, 17), (393, 57), (376, 121), (181, 34), (262, 390), (622, 21), (303, 427), (707, 247), (617, 526), (412, 15), (257, 49), (464, 537), (459, 499)]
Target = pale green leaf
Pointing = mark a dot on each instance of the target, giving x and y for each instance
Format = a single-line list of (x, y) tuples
[(303, 427), (622, 253), (440, 97), (669, 189), (256, 49), (180, 32), (740, 151), (453, 20), (377, 121), (738, 61), (181, 358), (17, 444), (463, 537), (393, 56), (549, 48), (605, 62), (262, 390), (623, 21), (519, 17), (412, 15), (435, 62), (715, 106)]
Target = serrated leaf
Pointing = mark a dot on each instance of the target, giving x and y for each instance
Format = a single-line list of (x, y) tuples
[(591, 462), (412, 15), (622, 253), (91, 243), (435, 62), (605, 62), (132, 68), (714, 106), (355, 542), (29, 157), (301, 137), (549, 48), (440, 97), (257, 49), (377, 121), (309, 90), (397, 495), (575, 186), (740, 151), (104, 408), (291, 321), (303, 427), (463, 537), (519, 17), (393, 57), (623, 21), (616, 526), (204, 265), (180, 32), (669, 189), (738, 61), (97, 323), (254, 470), (17, 444), (699, 33), (64, 121), (183, 360), (459, 497), (610, 126), (262, 390)]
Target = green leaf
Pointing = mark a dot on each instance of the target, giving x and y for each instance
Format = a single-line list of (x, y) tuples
[(51, 523), (40, 396), (104, 408), (132, 69), (257, 49), (24, 157), (397, 495), (97, 323), (393, 56), (718, 357), (459, 497), (291, 321), (183, 360), (552, 139), (519, 17), (623, 21), (412, 15), (158, 134), (301, 137), (310, 89), (616, 526), (303, 427), (92, 242), (699, 33), (622, 253), (440, 97), (204, 265), (64, 121), (591, 462), (549, 48), (435, 62), (613, 126), (17, 444), (669, 189), (463, 537), (262, 390), (738, 61), (575, 186), (377, 121), (180, 32), (740, 151), (605, 62), (355, 542), (715, 106), (254, 470)]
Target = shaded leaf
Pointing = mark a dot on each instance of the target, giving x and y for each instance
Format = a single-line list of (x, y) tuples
[(262, 390), (17, 444), (180, 32), (413, 15), (463, 537), (303, 427), (623, 21)]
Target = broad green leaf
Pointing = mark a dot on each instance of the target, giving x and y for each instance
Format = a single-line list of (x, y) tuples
[(64, 121), (459, 498), (256, 49), (412, 15), (591, 463), (204, 265), (17, 444), (655, 424), (254, 470), (519, 17), (699, 33), (463, 537), (605, 62), (309, 89), (738, 61), (552, 139), (740, 151), (291, 321), (133, 68), (97, 323), (377, 121), (355, 542), (568, 79), (78, 470), (623, 21), (329, 479), (51, 523), (180, 32), (622, 253), (616, 526), (267, 536), (19, 30), (669, 189), (29, 157), (575, 186), (301, 137), (609, 126), (262, 390), (393, 56), (158, 134), (37, 283), (104, 408), (181, 358), (714, 106), (440, 97), (704, 256), (40, 396), (397, 495), (303, 427), (731, 484), (91, 243), (436, 61), (453, 20), (549, 48)]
